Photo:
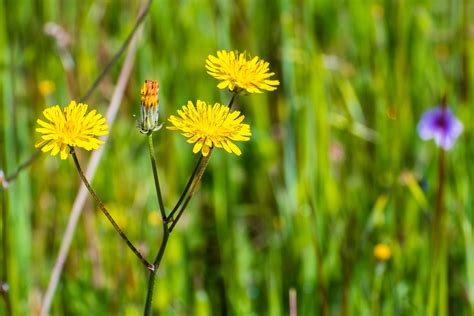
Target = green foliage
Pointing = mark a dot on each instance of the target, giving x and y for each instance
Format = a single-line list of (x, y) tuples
[(333, 167)]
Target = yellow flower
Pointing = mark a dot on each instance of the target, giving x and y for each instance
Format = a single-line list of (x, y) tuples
[(236, 71), (211, 126), (382, 252), (70, 127), (149, 107), (46, 87)]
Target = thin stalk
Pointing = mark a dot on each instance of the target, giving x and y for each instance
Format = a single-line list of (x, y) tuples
[(95, 84), (155, 177), (377, 286), (6, 298), (107, 214), (82, 193), (23, 165), (191, 192), (188, 193), (4, 277), (198, 178), (141, 17), (232, 100), (186, 189), (156, 264), (437, 236), (166, 232)]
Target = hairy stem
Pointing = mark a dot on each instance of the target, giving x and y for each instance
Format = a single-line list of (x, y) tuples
[(107, 214), (186, 189), (166, 232), (155, 177), (191, 192)]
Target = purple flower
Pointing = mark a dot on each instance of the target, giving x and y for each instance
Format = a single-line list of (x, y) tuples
[(441, 124)]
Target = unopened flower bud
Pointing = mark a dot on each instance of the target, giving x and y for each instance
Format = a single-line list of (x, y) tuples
[(149, 107)]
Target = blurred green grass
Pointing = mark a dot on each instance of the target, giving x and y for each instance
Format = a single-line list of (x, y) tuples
[(332, 168)]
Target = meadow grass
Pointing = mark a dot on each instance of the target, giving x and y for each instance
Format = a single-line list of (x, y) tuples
[(334, 166)]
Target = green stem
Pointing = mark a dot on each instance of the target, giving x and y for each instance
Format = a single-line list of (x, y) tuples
[(23, 165), (155, 177), (437, 236), (378, 280), (191, 192), (119, 53), (156, 264), (190, 187), (198, 178), (4, 277), (107, 214), (186, 189), (166, 232), (232, 100)]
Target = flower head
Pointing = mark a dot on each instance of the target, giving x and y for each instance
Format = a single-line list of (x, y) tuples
[(441, 124), (382, 252), (209, 126), (149, 107), (237, 72), (70, 127)]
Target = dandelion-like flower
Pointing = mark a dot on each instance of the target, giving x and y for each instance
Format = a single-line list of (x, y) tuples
[(209, 126), (441, 124), (237, 72), (70, 127), (382, 252), (149, 107)]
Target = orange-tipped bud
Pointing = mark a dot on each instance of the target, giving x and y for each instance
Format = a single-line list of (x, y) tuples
[(149, 107), (149, 94)]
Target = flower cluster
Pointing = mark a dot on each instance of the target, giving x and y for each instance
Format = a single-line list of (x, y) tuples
[(207, 126), (71, 127)]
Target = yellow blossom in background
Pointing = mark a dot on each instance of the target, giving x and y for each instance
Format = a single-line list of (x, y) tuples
[(236, 71), (154, 218), (382, 252), (70, 127), (46, 87), (209, 126)]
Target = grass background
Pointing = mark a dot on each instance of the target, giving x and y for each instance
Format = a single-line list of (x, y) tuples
[(334, 165)]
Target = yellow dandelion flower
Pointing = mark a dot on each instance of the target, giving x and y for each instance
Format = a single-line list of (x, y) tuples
[(70, 127), (236, 71), (382, 252), (46, 87), (209, 126)]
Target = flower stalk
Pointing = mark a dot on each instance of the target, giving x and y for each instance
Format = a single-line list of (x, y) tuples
[(169, 222), (166, 231), (438, 285), (107, 214), (438, 235)]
